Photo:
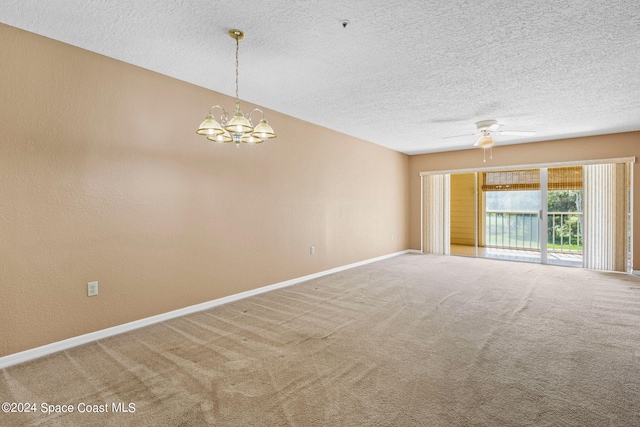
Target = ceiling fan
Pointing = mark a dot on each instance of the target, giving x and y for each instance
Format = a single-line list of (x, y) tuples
[(487, 127)]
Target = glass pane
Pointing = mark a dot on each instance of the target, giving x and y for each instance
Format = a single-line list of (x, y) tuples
[(565, 225), (512, 220), (518, 201)]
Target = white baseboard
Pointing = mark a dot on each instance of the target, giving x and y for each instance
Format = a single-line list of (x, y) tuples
[(34, 353)]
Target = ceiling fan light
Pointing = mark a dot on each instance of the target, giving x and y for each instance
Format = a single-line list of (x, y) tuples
[(239, 123), (210, 127), (263, 130), (485, 141)]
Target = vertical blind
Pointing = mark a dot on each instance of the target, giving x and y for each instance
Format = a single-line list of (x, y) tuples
[(435, 212), (605, 217)]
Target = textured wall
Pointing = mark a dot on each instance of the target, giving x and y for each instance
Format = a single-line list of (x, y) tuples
[(575, 149), (102, 177)]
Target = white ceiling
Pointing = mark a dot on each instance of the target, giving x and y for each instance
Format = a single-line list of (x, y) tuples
[(403, 74)]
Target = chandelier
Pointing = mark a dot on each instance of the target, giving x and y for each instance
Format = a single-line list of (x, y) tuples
[(239, 127)]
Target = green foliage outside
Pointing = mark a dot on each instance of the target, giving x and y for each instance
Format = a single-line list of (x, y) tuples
[(565, 231), (564, 200)]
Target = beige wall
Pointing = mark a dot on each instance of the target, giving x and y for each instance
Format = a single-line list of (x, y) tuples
[(575, 149), (463, 209), (102, 177)]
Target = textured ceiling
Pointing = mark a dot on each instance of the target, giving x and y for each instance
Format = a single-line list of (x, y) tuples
[(403, 74)]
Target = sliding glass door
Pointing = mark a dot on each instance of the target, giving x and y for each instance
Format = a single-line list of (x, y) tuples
[(511, 209), (565, 219), (571, 215), (535, 215)]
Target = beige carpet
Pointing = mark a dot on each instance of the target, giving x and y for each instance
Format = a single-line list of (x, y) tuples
[(411, 341)]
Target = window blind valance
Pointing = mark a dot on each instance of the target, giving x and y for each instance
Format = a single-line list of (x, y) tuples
[(563, 178), (511, 180), (566, 178)]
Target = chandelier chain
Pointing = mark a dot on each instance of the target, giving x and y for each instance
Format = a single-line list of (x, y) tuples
[(237, 78)]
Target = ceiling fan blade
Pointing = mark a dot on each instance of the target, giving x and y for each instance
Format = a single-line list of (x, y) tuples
[(494, 127), (477, 141), (458, 136), (517, 132)]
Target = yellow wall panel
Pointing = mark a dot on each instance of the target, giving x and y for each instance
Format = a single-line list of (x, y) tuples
[(463, 209)]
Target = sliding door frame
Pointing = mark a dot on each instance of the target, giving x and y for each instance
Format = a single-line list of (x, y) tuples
[(544, 217)]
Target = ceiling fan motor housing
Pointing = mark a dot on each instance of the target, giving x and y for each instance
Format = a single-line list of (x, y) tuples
[(487, 125)]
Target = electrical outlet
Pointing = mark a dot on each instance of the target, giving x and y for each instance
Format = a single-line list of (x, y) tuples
[(92, 289), (312, 250)]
